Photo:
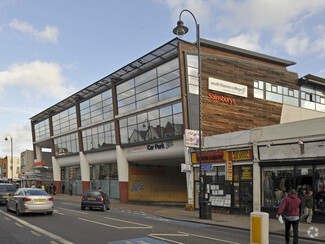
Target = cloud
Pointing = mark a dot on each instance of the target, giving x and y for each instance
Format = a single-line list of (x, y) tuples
[(246, 41), (21, 137), (200, 8), (37, 79), (50, 33), (297, 45)]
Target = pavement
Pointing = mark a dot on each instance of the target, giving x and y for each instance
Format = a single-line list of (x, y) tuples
[(313, 231)]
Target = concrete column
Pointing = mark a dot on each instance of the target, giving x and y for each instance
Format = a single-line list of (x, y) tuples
[(189, 180), (56, 174), (256, 181), (85, 172), (123, 174), (38, 154)]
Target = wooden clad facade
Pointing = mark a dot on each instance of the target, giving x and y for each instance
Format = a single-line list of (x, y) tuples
[(243, 113)]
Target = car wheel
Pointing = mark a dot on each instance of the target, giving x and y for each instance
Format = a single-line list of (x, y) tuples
[(8, 210), (50, 213), (104, 208), (109, 206), (83, 208), (18, 211)]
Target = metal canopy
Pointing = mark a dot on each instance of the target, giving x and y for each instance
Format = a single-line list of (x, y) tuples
[(156, 56)]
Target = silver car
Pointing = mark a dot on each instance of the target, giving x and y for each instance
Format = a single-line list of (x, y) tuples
[(30, 200)]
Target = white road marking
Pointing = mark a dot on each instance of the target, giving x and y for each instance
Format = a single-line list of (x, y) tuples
[(80, 212), (57, 212), (210, 238), (129, 222), (158, 236), (99, 223), (44, 232), (141, 226)]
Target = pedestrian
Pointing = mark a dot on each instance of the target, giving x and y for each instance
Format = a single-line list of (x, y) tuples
[(63, 188), (290, 208), (307, 204), (54, 189), (70, 189)]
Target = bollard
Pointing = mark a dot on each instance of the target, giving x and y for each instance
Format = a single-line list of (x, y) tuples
[(259, 227)]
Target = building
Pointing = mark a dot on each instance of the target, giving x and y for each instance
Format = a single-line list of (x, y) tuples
[(3, 170), (125, 132), (36, 173), (13, 171)]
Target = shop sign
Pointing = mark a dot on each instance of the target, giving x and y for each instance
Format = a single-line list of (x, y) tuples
[(186, 168), (192, 138), (222, 99), (206, 167), (227, 87), (38, 164), (209, 157), (157, 146), (241, 155), (229, 170), (246, 173)]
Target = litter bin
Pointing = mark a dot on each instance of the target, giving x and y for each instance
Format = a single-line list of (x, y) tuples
[(205, 210)]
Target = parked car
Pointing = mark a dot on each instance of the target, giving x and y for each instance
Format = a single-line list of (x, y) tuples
[(30, 200), (6, 190), (95, 199)]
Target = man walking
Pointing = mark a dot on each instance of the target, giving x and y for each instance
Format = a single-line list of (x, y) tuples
[(307, 204), (290, 208)]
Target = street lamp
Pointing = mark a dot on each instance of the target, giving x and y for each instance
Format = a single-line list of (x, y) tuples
[(11, 159), (181, 30)]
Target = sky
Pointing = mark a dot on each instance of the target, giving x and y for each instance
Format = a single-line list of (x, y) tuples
[(51, 49)]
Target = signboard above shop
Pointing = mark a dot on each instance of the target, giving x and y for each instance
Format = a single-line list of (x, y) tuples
[(209, 157), (241, 155)]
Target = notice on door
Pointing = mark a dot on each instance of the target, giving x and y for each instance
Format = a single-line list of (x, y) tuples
[(246, 173)]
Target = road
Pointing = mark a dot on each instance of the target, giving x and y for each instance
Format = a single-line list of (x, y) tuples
[(69, 224)]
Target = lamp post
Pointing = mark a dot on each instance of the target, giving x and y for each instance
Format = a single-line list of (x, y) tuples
[(180, 30), (11, 159)]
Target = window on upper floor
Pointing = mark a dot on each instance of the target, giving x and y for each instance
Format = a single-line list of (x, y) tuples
[(155, 124), (42, 130), (65, 121), (155, 85)]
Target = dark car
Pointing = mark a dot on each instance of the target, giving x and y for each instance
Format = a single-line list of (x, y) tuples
[(95, 199), (6, 190)]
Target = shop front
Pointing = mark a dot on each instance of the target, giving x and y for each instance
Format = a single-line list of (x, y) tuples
[(227, 180), (279, 178), (299, 166)]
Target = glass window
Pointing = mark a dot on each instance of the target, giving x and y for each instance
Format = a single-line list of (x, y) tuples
[(98, 137), (42, 130), (66, 145), (149, 125), (192, 60), (276, 182), (65, 121), (258, 93), (156, 85), (320, 188)]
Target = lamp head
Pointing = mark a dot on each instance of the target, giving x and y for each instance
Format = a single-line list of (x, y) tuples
[(6, 138), (180, 29)]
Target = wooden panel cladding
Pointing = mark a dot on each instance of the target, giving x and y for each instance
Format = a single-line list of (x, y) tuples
[(240, 113), (243, 113)]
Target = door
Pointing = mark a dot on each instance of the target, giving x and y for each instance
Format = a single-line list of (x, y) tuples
[(242, 189)]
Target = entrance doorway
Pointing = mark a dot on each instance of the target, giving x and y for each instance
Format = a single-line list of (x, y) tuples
[(242, 189)]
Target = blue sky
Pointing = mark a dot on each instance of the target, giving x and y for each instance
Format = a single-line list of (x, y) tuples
[(51, 49)]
